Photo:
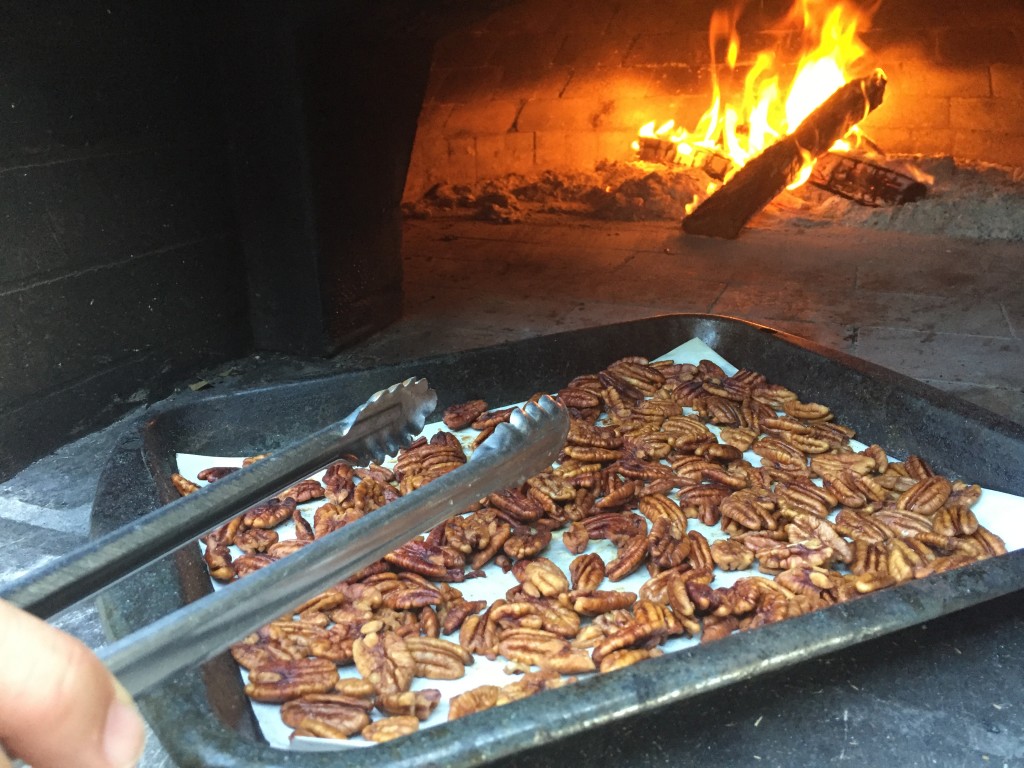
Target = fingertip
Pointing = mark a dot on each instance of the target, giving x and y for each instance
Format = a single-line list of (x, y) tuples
[(124, 734)]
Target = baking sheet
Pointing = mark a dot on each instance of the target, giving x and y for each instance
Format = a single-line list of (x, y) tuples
[(1001, 513)]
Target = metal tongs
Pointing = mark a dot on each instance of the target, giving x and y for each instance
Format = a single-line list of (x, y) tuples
[(524, 446)]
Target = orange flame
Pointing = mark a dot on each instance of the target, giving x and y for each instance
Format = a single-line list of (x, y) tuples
[(744, 124)]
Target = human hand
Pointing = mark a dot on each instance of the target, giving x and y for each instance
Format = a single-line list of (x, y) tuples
[(59, 706)]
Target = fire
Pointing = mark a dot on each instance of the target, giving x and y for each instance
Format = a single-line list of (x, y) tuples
[(743, 124)]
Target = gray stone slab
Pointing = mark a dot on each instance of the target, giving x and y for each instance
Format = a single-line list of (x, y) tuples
[(949, 357), (776, 300)]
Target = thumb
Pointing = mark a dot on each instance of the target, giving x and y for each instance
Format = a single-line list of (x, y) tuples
[(60, 706)]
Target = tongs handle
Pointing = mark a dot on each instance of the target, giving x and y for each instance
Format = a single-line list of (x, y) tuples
[(526, 445), (388, 419)]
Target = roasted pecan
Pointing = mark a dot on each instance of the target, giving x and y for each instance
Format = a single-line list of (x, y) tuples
[(277, 681), (418, 704), (461, 415), (269, 514), (183, 485), (627, 657), (248, 563), (731, 555), (517, 505), (479, 633), (389, 728), (211, 474), (630, 555), (598, 602), (540, 577), (472, 701), (330, 715), (587, 572), (385, 661), (218, 561), (526, 541), (540, 648), (575, 538), (926, 497), (438, 659), (302, 491), (255, 539)]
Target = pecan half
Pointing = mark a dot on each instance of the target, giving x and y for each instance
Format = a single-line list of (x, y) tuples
[(278, 681), (385, 661)]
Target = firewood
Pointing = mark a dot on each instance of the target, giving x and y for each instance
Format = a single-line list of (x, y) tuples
[(757, 183), (865, 182)]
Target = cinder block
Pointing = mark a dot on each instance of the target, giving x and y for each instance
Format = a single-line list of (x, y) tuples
[(643, 16), (481, 117), (603, 85), (526, 84), (681, 48), (498, 155), (1007, 81), (461, 160), (585, 51), (991, 147), (463, 85), (578, 114), (433, 118), (903, 44), (581, 150), (615, 146), (907, 111), (526, 50), (549, 150), (529, 16), (919, 78), (993, 115), (904, 141), (680, 80)]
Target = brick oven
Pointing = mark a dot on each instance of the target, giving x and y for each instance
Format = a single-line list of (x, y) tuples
[(540, 86)]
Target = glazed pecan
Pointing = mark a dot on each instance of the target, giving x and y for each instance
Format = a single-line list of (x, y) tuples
[(587, 572), (575, 538), (304, 490), (418, 704), (461, 415), (255, 539), (599, 602), (330, 715), (385, 661), (540, 648), (731, 555), (438, 659), (183, 485), (540, 577), (389, 728), (472, 701), (278, 681), (269, 514), (926, 497)]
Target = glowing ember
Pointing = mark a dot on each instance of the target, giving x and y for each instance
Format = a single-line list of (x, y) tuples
[(743, 124)]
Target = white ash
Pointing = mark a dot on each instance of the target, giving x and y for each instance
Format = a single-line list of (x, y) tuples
[(966, 200)]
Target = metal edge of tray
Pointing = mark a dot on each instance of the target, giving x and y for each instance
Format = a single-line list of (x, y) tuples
[(202, 717)]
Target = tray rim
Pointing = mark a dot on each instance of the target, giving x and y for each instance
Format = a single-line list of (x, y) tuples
[(502, 731)]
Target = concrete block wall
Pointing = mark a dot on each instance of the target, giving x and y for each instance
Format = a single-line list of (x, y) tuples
[(562, 84), (120, 271)]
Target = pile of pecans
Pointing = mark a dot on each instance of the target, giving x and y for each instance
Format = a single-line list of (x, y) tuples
[(655, 452)]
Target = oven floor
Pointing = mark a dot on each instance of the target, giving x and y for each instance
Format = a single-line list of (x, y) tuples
[(947, 312)]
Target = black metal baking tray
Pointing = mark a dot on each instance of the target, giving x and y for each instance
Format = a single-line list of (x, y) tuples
[(203, 718)]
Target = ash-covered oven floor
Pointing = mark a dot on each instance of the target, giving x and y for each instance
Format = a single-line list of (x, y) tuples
[(945, 311)]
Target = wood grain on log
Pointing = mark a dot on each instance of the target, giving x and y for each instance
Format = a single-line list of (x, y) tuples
[(757, 183)]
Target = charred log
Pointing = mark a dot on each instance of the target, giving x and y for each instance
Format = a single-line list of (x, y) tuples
[(755, 185), (865, 182)]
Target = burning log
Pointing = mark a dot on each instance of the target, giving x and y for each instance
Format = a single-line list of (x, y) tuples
[(758, 182), (865, 182)]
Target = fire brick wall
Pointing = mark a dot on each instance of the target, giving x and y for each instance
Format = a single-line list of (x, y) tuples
[(119, 267), (562, 84)]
